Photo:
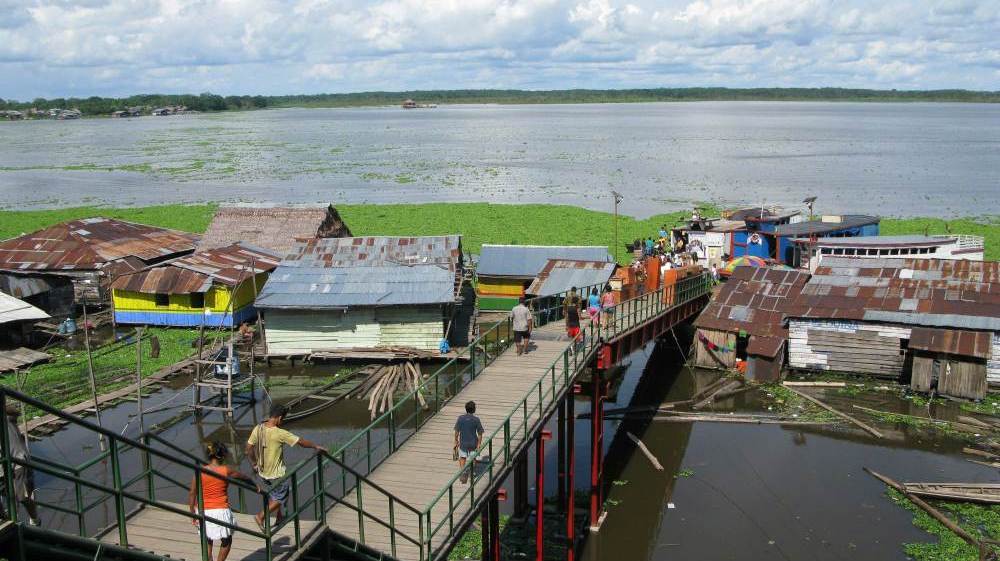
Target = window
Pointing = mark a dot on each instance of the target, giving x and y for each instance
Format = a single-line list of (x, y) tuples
[(162, 300), (894, 252), (849, 251), (883, 252), (198, 300), (838, 251)]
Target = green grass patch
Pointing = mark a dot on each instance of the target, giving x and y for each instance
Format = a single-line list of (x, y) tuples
[(989, 405), (188, 218), (981, 521), (788, 403)]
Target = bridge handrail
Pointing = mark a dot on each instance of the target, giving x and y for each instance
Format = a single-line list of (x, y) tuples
[(643, 307)]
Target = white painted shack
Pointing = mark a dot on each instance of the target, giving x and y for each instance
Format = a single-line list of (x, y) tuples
[(362, 295), (860, 315)]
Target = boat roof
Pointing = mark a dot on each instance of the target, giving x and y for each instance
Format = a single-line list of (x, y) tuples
[(880, 241), (822, 226)]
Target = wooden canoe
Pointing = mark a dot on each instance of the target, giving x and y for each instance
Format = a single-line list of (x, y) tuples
[(987, 493)]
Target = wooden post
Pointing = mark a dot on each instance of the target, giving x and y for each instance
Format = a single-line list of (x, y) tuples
[(138, 376), (90, 371), (197, 364)]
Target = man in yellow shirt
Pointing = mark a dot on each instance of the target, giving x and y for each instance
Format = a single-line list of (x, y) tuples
[(265, 450)]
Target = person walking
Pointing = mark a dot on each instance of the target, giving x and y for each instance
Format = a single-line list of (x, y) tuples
[(521, 322), (24, 476), (607, 307), (468, 439), (265, 450), (573, 323), (572, 300), (649, 246), (215, 498)]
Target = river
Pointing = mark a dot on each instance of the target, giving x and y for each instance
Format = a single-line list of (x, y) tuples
[(912, 159)]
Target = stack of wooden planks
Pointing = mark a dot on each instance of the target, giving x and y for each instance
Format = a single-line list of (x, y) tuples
[(384, 382)]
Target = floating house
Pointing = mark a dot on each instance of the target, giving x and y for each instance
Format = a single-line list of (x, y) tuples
[(775, 238), (745, 321), (809, 252), (212, 287), (560, 275), (504, 272), (710, 239), (88, 253), (864, 315), (16, 320), (362, 295), (273, 228)]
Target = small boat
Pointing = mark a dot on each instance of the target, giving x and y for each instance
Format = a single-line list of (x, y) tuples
[(988, 493), (320, 398)]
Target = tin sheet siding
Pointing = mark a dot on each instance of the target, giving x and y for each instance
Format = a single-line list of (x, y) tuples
[(846, 346), (993, 364), (302, 332)]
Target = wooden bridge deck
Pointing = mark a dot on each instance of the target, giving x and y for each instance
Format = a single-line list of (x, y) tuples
[(423, 465)]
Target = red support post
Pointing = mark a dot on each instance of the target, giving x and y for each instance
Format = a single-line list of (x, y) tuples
[(540, 494), (494, 554), (561, 455), (486, 525), (570, 473), (596, 446)]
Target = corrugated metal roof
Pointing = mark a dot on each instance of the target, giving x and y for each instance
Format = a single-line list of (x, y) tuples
[(12, 309), (526, 261), (765, 346), (810, 227), (272, 228), (952, 341), (377, 250), (372, 271), (560, 275), (23, 286), (198, 271), (933, 292), (342, 287), (753, 300), (90, 244)]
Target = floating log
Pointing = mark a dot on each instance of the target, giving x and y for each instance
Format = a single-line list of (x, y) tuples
[(955, 425), (927, 508), (844, 416), (791, 384), (980, 453), (722, 390), (642, 448), (734, 419)]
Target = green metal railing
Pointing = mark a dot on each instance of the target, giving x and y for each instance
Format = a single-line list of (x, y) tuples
[(515, 430), (339, 477)]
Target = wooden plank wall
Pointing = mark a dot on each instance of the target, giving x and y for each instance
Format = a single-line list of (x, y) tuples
[(993, 364), (302, 331), (922, 377), (715, 359), (960, 377), (846, 346)]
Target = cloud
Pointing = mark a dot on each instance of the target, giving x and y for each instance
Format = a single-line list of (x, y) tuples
[(119, 47)]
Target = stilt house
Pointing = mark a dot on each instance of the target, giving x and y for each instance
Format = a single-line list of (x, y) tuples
[(213, 287), (745, 322), (933, 322), (272, 228), (504, 272), (372, 294), (89, 253)]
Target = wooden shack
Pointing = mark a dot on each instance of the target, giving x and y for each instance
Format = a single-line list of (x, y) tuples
[(90, 253), (275, 229), (363, 296), (213, 287), (951, 360), (744, 324), (932, 321), (504, 272)]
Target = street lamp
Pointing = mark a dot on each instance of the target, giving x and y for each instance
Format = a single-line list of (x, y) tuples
[(618, 199)]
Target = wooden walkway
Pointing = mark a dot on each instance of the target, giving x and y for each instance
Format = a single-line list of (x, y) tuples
[(423, 465), (169, 534)]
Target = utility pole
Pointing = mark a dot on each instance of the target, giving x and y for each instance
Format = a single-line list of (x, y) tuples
[(138, 376), (90, 369), (618, 199)]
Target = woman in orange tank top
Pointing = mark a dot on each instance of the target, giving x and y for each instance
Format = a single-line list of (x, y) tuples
[(215, 499)]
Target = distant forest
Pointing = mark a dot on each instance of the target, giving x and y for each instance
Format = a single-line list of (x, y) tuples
[(211, 102)]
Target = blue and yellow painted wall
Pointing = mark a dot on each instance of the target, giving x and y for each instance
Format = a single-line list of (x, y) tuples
[(182, 310)]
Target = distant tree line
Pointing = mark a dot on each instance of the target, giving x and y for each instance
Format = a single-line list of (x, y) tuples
[(211, 102)]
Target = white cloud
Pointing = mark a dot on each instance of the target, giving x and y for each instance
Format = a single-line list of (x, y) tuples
[(116, 47)]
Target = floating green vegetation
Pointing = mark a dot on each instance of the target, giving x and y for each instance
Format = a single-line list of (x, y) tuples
[(980, 521), (404, 178), (375, 176), (686, 472), (989, 405), (986, 226), (789, 404)]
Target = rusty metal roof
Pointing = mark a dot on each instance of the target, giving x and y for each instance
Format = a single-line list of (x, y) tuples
[(559, 275), (765, 346), (273, 228), (952, 341), (90, 244), (372, 251), (932, 292), (753, 300), (199, 271)]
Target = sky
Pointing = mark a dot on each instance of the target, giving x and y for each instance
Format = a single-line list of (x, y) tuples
[(62, 48)]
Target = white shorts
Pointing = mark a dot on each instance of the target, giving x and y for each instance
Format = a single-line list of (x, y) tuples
[(215, 531), (466, 455)]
